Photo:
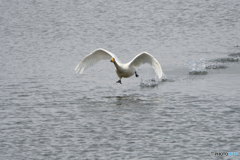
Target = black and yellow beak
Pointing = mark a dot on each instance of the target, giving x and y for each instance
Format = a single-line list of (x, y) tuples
[(112, 60)]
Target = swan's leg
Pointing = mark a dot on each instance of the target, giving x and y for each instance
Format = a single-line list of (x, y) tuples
[(136, 74), (119, 77), (119, 81)]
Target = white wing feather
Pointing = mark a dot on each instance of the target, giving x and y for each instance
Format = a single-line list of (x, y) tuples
[(93, 58), (143, 58)]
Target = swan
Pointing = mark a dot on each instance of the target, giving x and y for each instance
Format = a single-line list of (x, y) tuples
[(123, 70)]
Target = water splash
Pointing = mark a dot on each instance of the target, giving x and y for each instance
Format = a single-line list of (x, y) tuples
[(164, 77), (197, 67), (152, 82)]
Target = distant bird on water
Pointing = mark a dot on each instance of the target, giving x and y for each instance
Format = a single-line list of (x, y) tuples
[(123, 70)]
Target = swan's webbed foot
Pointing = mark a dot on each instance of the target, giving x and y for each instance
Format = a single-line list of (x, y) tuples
[(119, 81), (136, 74)]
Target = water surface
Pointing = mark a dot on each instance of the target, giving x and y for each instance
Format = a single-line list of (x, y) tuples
[(49, 112)]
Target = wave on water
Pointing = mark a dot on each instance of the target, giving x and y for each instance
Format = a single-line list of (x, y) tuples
[(227, 59), (216, 66), (222, 63), (234, 55), (197, 67)]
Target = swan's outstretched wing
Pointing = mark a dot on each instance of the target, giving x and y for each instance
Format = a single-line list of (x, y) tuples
[(143, 58), (93, 58)]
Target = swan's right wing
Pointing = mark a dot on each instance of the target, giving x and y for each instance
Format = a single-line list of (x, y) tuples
[(93, 58), (143, 58)]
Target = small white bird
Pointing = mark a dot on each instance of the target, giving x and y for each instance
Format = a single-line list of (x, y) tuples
[(123, 70)]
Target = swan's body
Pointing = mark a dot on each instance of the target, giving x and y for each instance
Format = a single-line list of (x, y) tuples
[(123, 70)]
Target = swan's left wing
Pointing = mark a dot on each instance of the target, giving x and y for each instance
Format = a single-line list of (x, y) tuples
[(93, 58), (143, 58)]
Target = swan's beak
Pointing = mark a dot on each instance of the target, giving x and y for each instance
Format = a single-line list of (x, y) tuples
[(112, 60)]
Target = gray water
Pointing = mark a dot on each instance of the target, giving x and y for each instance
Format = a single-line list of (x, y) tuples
[(49, 112)]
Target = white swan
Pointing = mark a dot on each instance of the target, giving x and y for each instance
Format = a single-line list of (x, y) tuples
[(122, 70)]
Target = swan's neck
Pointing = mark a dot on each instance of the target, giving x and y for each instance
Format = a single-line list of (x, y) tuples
[(116, 65)]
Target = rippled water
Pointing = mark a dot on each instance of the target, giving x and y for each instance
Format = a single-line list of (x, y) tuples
[(49, 112)]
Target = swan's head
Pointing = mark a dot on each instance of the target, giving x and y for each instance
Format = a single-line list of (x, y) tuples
[(112, 60)]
